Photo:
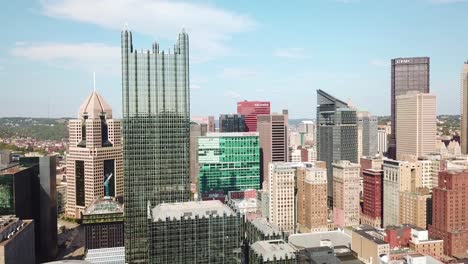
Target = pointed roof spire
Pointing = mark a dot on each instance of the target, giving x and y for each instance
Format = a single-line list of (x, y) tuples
[(94, 106)]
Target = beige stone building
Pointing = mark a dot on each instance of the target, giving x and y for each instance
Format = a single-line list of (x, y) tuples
[(280, 188), (399, 176), (312, 210), (346, 188), (95, 158), (413, 207), (416, 124), (421, 243), (368, 244)]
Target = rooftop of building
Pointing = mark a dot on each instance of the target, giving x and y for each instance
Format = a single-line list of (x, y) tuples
[(231, 134), (310, 240), (403, 226), (69, 262), (12, 168), (190, 209), (368, 233), (345, 164), (272, 249), (106, 255), (104, 205), (266, 227), (10, 226)]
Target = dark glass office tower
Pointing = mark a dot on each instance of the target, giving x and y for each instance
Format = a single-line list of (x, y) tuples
[(232, 123), (408, 74), (156, 133), (337, 137)]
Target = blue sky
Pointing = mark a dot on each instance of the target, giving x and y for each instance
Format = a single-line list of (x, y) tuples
[(254, 50)]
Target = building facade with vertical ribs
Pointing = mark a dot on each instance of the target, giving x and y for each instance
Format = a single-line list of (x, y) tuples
[(408, 74), (251, 109), (95, 159), (450, 211), (273, 133), (416, 124), (156, 133)]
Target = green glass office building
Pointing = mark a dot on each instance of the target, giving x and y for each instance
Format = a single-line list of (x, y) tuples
[(156, 133), (228, 162)]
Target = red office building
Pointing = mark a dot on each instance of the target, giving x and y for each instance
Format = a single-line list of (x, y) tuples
[(250, 109), (372, 198), (450, 212)]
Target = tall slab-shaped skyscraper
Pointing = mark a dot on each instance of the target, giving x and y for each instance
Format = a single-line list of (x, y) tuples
[(156, 133), (408, 75), (337, 137)]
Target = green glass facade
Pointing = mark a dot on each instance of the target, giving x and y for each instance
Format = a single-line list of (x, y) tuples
[(156, 133), (229, 162), (200, 234)]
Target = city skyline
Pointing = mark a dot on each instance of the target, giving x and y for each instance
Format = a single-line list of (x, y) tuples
[(340, 59)]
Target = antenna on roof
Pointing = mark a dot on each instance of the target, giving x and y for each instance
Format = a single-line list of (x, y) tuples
[(94, 80)]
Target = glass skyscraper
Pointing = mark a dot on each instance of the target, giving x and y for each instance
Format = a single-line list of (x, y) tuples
[(337, 131), (229, 162), (156, 133), (408, 74)]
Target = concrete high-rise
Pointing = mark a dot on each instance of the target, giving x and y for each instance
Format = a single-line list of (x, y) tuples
[(337, 134), (372, 208), (464, 108), (281, 196), (209, 121), (408, 74), (399, 176), (367, 125), (416, 124), (232, 123), (346, 189), (196, 131), (95, 156), (273, 131), (450, 211), (312, 209), (382, 138), (251, 109), (413, 207), (307, 132), (228, 162), (156, 133)]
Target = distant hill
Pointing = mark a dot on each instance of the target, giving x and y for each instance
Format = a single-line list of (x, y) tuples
[(39, 128)]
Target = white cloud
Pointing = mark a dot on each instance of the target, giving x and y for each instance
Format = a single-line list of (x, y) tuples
[(290, 53), (209, 27), (238, 73), (91, 57), (232, 94)]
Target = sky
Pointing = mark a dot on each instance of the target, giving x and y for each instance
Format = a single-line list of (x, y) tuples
[(280, 51)]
